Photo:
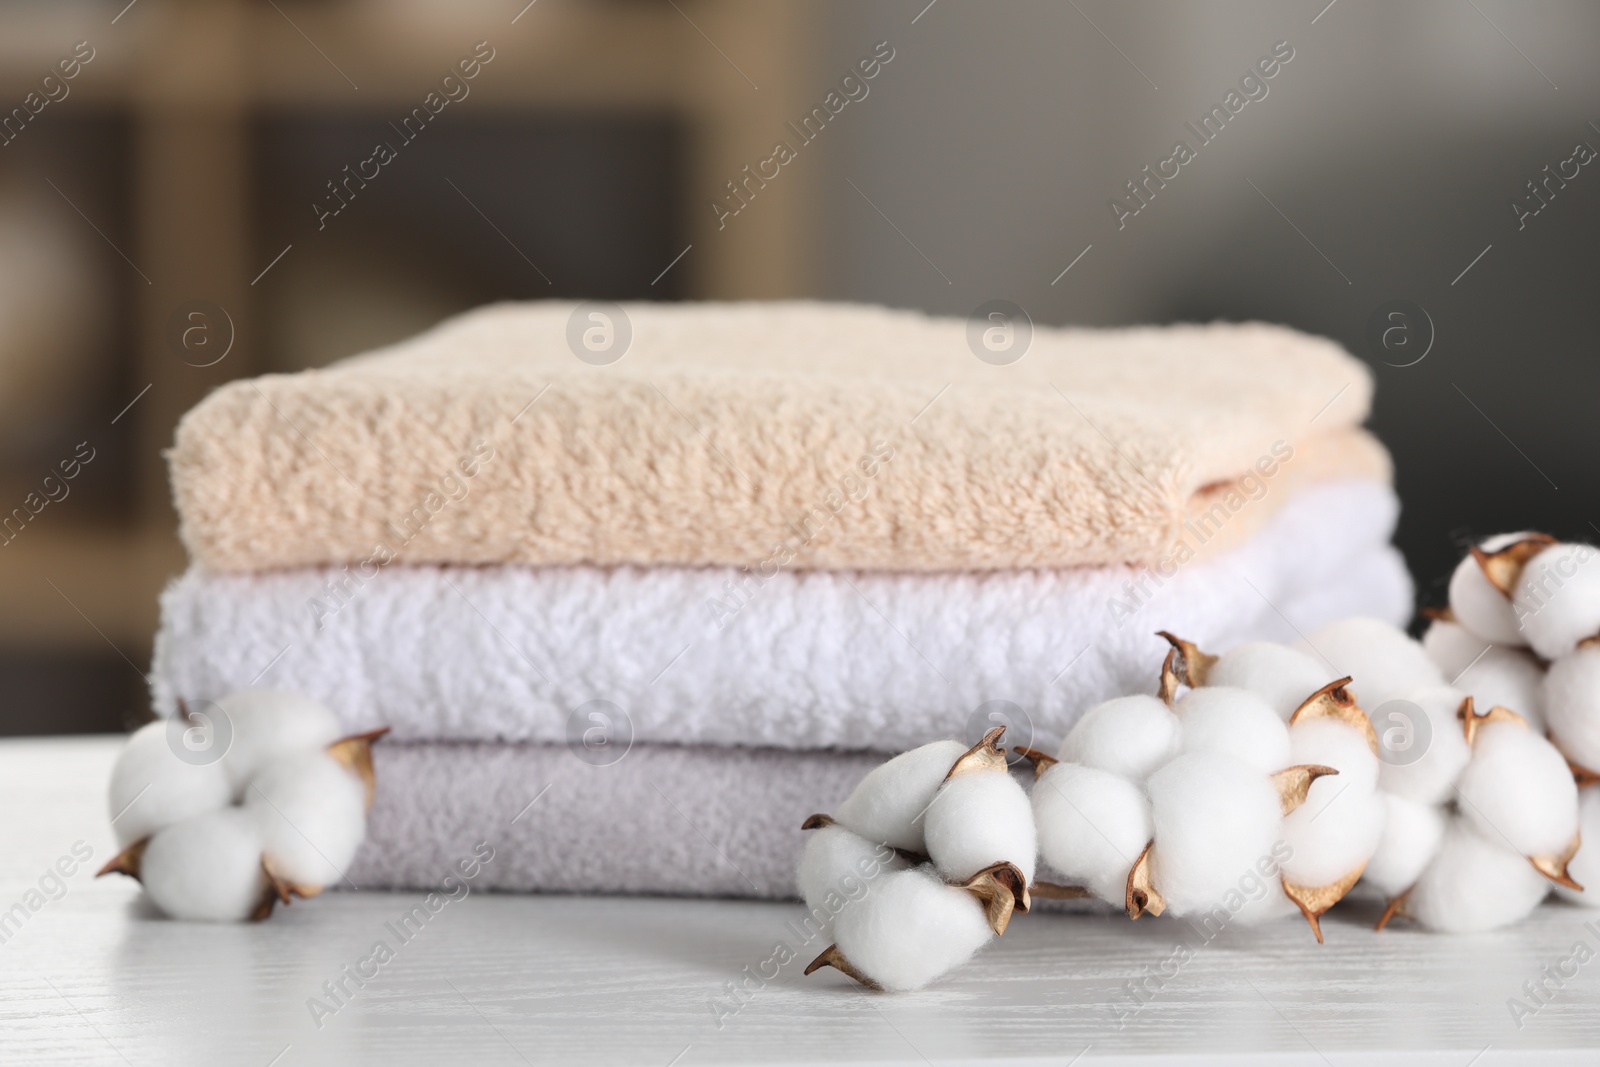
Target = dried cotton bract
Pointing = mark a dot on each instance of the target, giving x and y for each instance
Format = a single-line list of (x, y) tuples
[(281, 813)]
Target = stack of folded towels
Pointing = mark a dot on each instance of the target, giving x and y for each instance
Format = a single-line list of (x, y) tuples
[(632, 623)]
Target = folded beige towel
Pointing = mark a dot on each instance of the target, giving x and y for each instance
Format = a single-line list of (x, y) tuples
[(768, 435)]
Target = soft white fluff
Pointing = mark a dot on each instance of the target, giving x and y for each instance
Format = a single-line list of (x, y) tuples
[(1282, 676), (1092, 826), (1474, 884), (1558, 598), (268, 724), (1478, 605), (1493, 674), (1428, 778), (1585, 866), (911, 929), (977, 820), (1215, 819), (1517, 790), (312, 814), (889, 803), (207, 867), (806, 662), (1411, 836), (1233, 722), (1338, 745), (838, 868), (1130, 736), (1380, 658), (1572, 705), (1332, 840), (152, 788)]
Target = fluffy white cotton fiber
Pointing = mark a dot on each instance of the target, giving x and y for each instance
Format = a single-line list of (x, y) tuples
[(267, 724), (207, 867), (836, 864), (312, 814), (911, 929), (1380, 659), (152, 788), (1339, 825), (1411, 836), (1558, 598), (979, 819), (1585, 866), (1474, 884), (1572, 705), (1493, 674), (1284, 677), (1423, 757), (888, 804), (1517, 789), (1478, 605), (1215, 818), (1130, 736), (1233, 722), (1092, 826), (1339, 745)]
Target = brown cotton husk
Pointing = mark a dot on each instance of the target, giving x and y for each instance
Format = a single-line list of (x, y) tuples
[(1003, 891), (818, 821), (279, 891), (1041, 761), (355, 752), (1582, 775), (127, 861), (1555, 867), (1191, 666), (1444, 614), (1314, 901), (1335, 701), (832, 957), (1168, 690), (1294, 783), (986, 755), (1142, 896), (1397, 906), (1504, 566), (1471, 721)]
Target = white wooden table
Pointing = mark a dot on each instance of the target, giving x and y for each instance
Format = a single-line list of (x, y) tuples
[(94, 978)]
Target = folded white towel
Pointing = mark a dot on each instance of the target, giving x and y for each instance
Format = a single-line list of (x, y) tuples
[(866, 660)]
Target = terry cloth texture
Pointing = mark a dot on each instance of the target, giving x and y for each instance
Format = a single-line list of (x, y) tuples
[(878, 660), (663, 819), (796, 435)]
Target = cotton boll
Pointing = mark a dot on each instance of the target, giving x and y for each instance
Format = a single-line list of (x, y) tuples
[(1572, 705), (267, 724), (911, 929), (312, 814), (1474, 884), (152, 788), (838, 868), (1215, 818), (1092, 826), (1481, 607), (980, 819), (1130, 736), (206, 868), (888, 804), (1426, 771), (1585, 866), (1517, 791), (1334, 839), (1379, 658), (1233, 722), (1412, 833), (1558, 598), (1452, 647), (1280, 675)]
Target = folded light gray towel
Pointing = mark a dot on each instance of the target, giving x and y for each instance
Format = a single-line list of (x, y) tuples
[(693, 821)]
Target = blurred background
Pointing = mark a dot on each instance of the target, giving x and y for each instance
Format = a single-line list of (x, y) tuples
[(167, 195)]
